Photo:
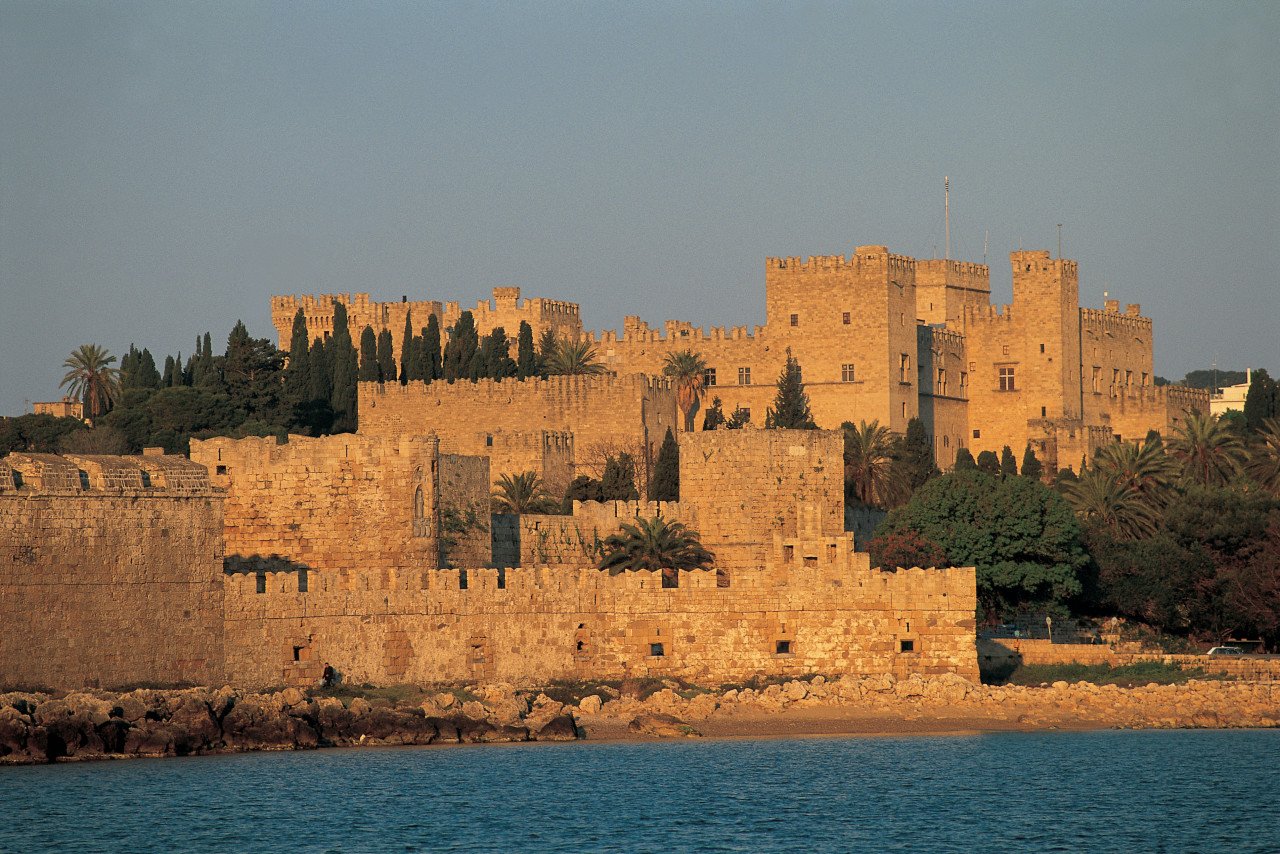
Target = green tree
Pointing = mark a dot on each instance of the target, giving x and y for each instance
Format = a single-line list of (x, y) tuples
[(386, 357), (665, 483), (714, 418), (91, 378), (342, 356), (965, 461), (526, 356), (432, 366), (1103, 502), (916, 456), (581, 488), (1020, 535), (496, 353), (321, 372), (618, 481), (574, 358), (406, 349), (1032, 468), (740, 418), (688, 371), (461, 348), (1152, 579), (138, 369), (1262, 401), (252, 374), (297, 380), (655, 544), (1008, 465), (989, 462), (1143, 467), (1264, 457), (522, 493), (37, 434), (870, 475), (791, 404), (1207, 451), (904, 549), (368, 356)]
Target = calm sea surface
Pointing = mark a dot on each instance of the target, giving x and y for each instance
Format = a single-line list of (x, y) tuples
[(1108, 791)]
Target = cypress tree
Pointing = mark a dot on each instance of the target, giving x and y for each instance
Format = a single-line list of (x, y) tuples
[(321, 374), (148, 376), (498, 363), (206, 373), (665, 483), (917, 455), (1262, 400), (432, 367), (342, 356), (526, 358), (1032, 468), (548, 344), (618, 482), (167, 380), (368, 356), (965, 461), (460, 352), (386, 358), (406, 349), (129, 367), (791, 404), (989, 462), (714, 419), (297, 376), (1008, 465)]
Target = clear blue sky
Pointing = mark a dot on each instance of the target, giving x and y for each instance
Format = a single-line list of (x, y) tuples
[(165, 167)]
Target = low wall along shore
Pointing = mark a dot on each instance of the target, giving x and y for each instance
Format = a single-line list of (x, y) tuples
[(997, 651)]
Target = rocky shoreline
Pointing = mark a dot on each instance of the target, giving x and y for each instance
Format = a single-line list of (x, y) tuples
[(41, 728)]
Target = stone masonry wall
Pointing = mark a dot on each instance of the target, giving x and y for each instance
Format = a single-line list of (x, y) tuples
[(740, 487), (604, 409), (356, 506), (110, 572), (531, 625), (464, 511), (576, 540)]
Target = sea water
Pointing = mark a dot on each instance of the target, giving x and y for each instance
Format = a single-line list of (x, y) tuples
[(1160, 791)]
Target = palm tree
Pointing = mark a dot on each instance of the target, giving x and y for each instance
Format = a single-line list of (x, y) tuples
[(574, 358), (92, 379), (1207, 450), (869, 473), (521, 493), (689, 370), (655, 543), (1105, 501), (1145, 468), (1264, 459)]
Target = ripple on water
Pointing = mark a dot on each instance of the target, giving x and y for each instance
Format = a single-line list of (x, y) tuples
[(1045, 792)]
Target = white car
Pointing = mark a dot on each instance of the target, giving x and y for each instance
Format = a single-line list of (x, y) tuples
[(1226, 650)]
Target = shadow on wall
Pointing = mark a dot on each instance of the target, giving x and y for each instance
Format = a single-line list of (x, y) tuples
[(861, 521)]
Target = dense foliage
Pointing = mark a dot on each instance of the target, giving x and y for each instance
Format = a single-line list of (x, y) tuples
[(790, 410), (654, 543), (665, 483)]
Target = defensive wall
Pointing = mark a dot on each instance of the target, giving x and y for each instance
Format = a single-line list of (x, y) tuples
[(1039, 651), (506, 310), (828, 612), (357, 507), (547, 453), (534, 539), (628, 410), (110, 572)]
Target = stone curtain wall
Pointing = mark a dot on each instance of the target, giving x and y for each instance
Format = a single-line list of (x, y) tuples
[(506, 310), (740, 487), (606, 409), (110, 572), (577, 540), (345, 504), (531, 625), (465, 505), (546, 453)]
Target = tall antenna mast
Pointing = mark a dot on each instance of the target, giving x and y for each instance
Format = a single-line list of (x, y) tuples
[(986, 239), (946, 207)]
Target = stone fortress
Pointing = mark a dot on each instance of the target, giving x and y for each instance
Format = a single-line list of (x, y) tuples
[(257, 562), (878, 336)]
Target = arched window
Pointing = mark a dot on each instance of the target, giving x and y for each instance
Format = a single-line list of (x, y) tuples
[(418, 509)]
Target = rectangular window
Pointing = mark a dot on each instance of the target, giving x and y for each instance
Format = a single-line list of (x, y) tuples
[(744, 376), (262, 582), (656, 650), (942, 381), (1041, 348), (1006, 379), (1144, 379), (709, 377), (1005, 349), (904, 368), (220, 469), (964, 380), (795, 320), (1115, 376), (303, 581), (907, 646), (1128, 378), (846, 318), (977, 434), (783, 647), (1097, 379), (1043, 411), (846, 373)]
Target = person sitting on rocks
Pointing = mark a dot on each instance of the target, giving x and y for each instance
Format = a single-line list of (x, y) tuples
[(326, 678)]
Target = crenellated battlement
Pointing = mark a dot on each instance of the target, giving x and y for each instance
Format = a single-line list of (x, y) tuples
[(1109, 320), (139, 476), (637, 331), (988, 314), (863, 256)]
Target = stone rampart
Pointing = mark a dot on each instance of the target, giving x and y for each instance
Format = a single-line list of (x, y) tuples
[(110, 572), (534, 624), (576, 540), (346, 504)]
